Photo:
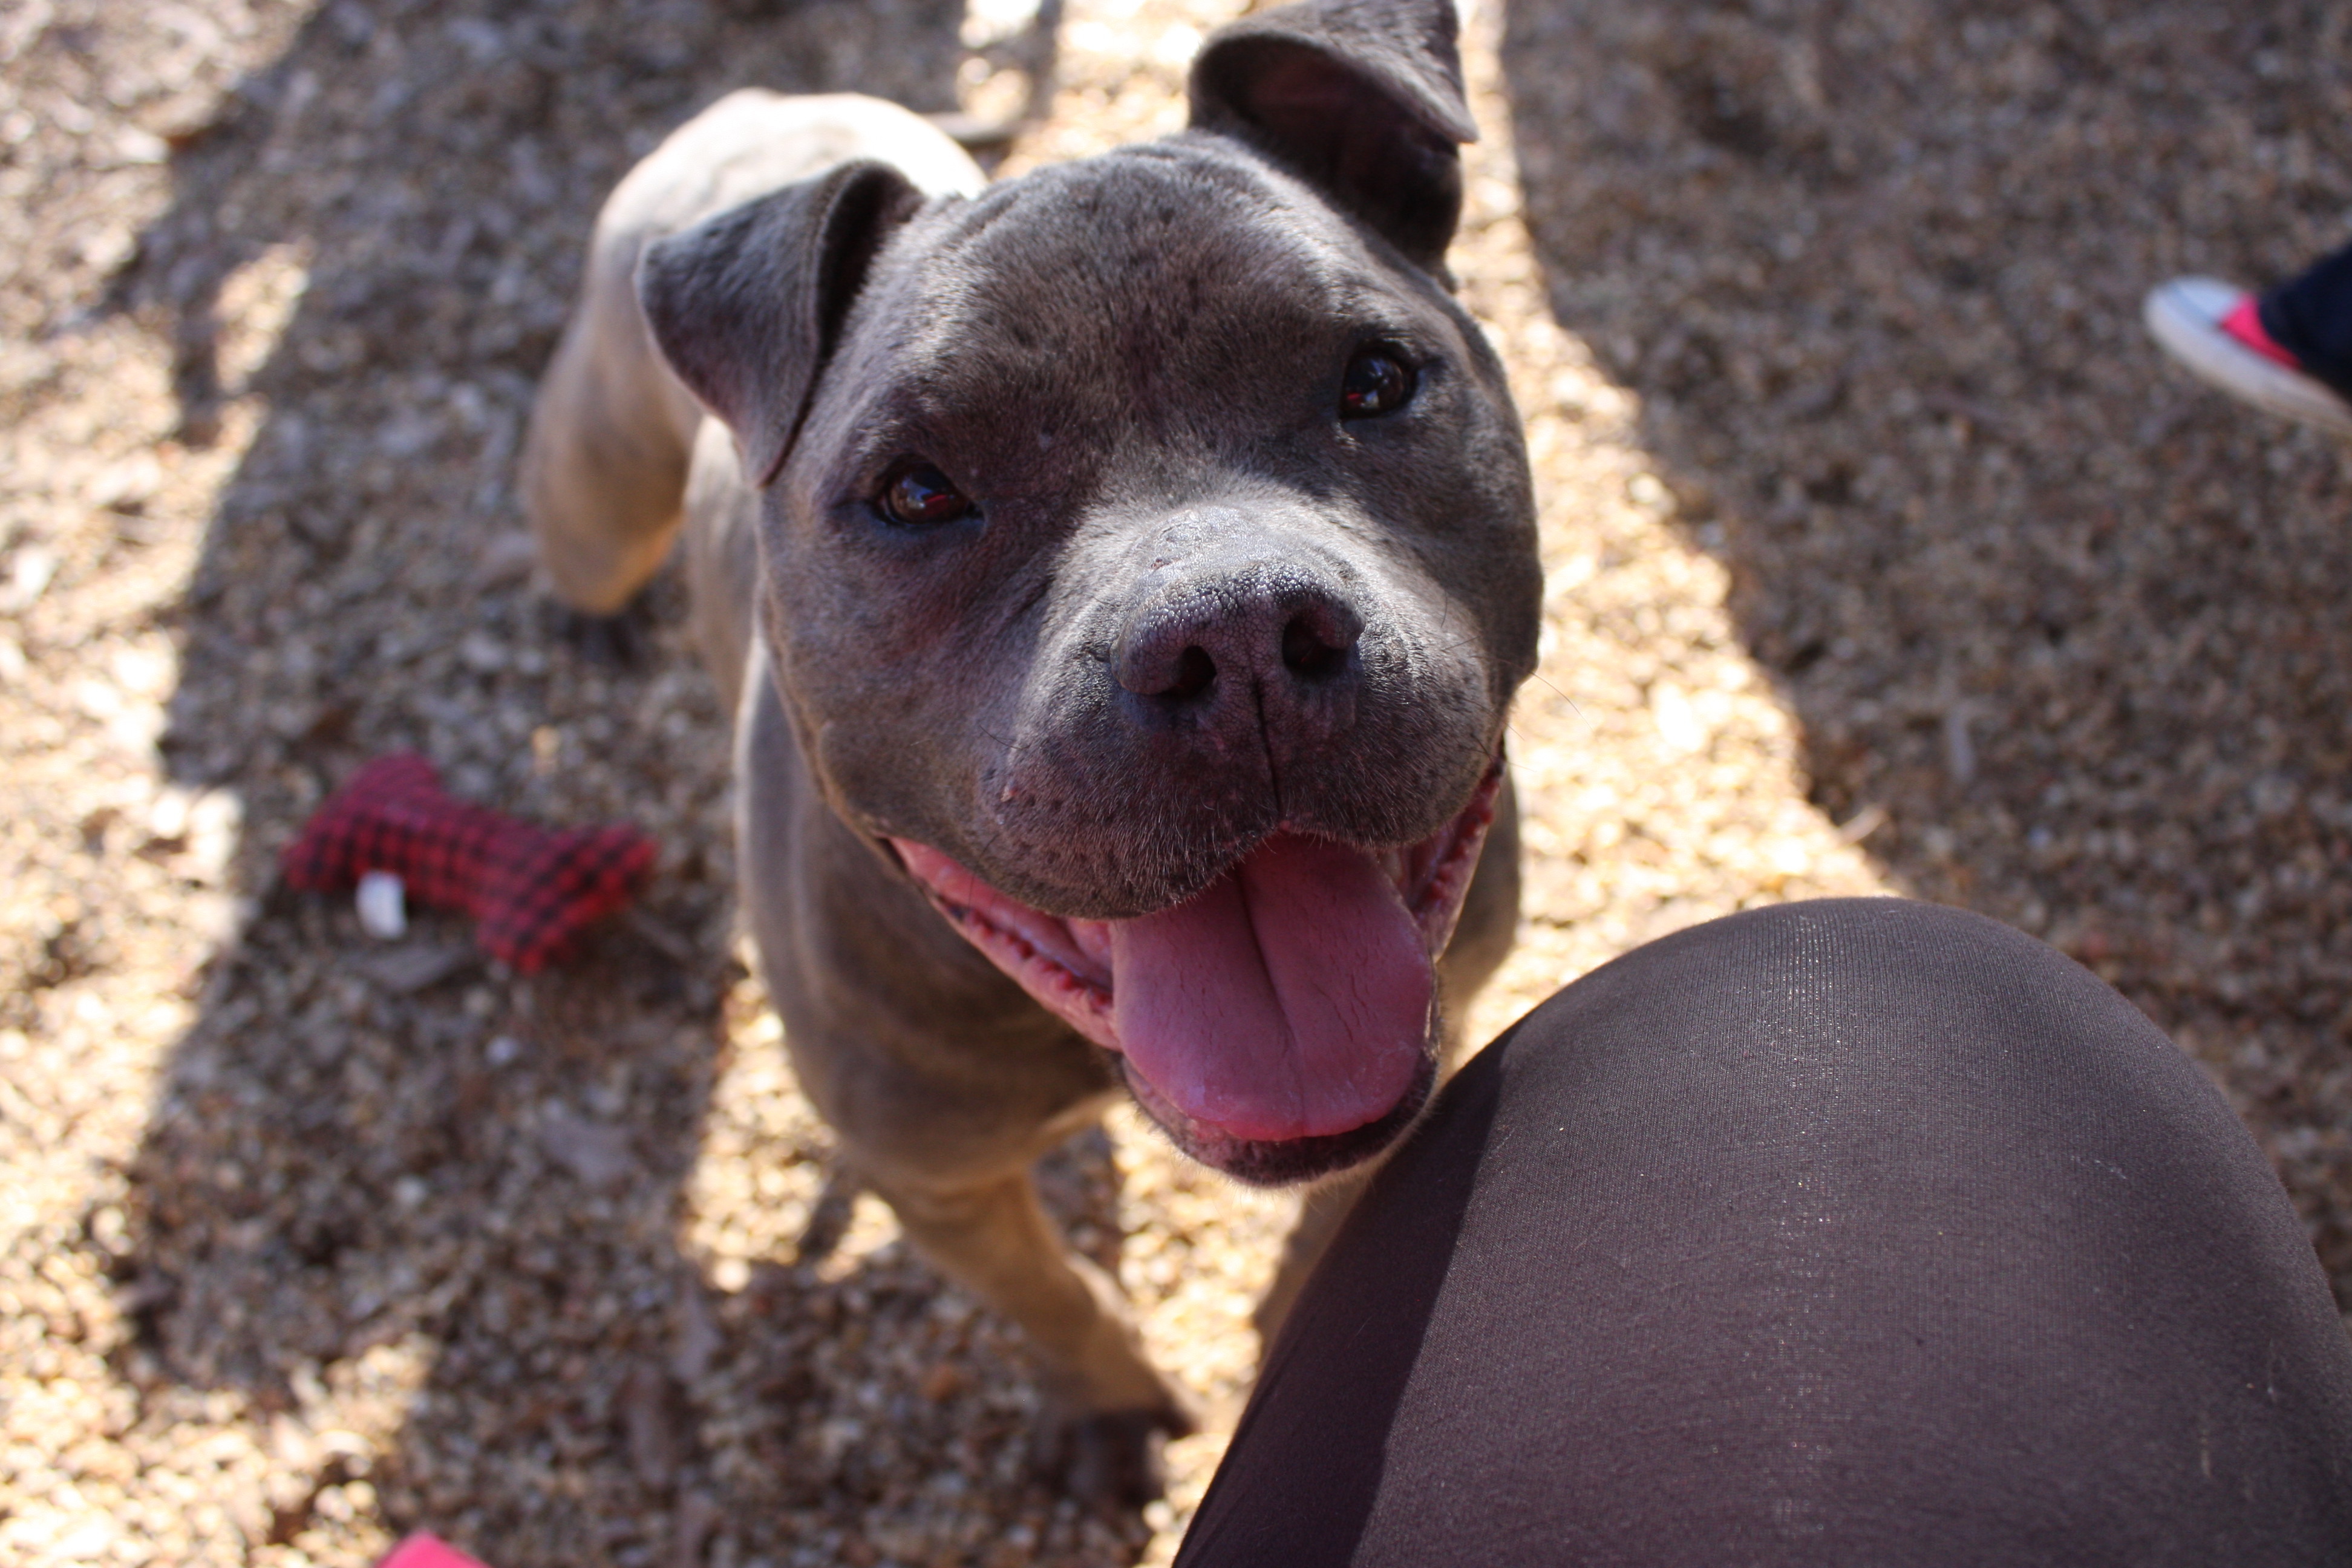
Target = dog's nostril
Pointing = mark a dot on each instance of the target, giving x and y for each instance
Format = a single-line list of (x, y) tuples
[(1310, 649), (1195, 671)]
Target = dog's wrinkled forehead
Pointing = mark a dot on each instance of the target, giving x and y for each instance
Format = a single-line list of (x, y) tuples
[(1138, 241), (1138, 282)]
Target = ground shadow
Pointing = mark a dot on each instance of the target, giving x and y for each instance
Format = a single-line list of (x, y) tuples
[(367, 1158), (2065, 636)]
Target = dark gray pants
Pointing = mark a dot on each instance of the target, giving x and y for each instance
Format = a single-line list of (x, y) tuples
[(1858, 1232)]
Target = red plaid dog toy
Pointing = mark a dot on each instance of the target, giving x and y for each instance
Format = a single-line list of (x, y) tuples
[(532, 890)]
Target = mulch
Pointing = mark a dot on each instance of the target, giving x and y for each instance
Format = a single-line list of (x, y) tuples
[(1884, 554)]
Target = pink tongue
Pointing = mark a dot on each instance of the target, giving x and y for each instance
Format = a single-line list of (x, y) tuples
[(1288, 999)]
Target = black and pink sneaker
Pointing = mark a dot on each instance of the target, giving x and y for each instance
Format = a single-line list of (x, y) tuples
[(2215, 330)]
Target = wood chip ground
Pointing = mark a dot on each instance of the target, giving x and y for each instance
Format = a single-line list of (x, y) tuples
[(1885, 556)]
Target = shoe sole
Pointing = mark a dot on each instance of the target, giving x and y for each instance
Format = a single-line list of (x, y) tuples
[(2184, 315)]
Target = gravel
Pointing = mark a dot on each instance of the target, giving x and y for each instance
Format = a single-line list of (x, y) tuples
[(1883, 555)]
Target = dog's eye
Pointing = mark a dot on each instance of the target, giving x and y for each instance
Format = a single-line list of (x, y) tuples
[(916, 495), (1378, 382)]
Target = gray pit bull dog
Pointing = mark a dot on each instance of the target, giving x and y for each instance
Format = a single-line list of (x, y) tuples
[(1121, 575)]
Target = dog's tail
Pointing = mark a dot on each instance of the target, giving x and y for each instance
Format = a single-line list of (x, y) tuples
[(603, 467)]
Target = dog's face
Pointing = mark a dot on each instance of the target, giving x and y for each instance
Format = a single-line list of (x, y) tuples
[(1148, 564)]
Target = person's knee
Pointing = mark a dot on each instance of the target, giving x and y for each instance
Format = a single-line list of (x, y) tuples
[(1869, 944), (1839, 993), (1855, 948)]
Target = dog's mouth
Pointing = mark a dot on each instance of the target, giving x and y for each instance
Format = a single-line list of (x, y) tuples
[(1279, 1024)]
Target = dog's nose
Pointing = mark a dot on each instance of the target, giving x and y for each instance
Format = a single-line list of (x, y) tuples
[(1271, 627)]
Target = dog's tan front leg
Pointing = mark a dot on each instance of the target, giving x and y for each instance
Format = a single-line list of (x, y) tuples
[(996, 1241)]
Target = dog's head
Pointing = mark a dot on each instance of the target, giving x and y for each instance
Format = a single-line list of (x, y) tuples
[(1148, 562)]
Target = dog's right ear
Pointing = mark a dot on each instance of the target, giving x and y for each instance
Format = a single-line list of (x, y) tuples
[(746, 306), (1364, 98)]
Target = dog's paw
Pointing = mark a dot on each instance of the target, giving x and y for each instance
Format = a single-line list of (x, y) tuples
[(1112, 1456)]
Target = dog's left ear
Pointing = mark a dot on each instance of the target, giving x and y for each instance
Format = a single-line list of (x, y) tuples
[(1364, 98), (746, 306)]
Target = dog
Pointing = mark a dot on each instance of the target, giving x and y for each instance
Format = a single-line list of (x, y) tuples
[(1120, 576)]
